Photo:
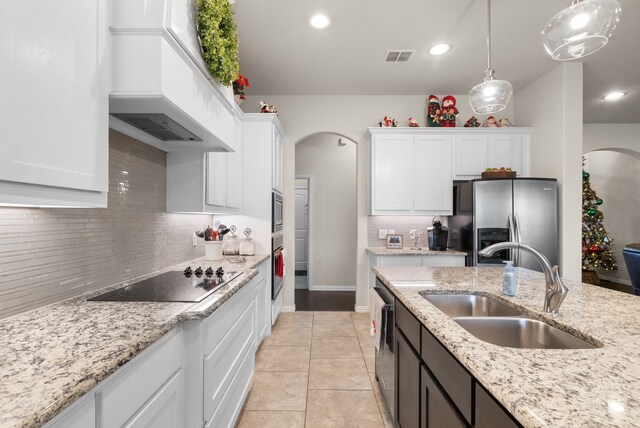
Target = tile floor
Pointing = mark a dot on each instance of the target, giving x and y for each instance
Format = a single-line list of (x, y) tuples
[(316, 370)]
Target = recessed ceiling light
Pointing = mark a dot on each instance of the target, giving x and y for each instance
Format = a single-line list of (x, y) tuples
[(320, 21), (439, 49), (615, 95)]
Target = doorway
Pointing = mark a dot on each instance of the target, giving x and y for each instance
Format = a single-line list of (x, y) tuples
[(325, 223)]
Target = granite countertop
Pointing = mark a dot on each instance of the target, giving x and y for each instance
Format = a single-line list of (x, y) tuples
[(53, 355), (541, 388), (407, 251)]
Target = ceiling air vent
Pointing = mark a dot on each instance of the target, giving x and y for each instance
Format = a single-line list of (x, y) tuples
[(398, 56)]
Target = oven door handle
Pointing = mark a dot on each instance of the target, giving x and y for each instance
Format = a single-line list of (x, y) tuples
[(277, 253)]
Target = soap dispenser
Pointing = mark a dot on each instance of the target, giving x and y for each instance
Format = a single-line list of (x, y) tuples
[(509, 280)]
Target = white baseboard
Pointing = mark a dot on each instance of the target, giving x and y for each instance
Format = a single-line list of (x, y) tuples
[(332, 288), (288, 308), (614, 279), (362, 308)]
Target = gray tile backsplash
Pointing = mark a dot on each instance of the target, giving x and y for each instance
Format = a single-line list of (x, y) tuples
[(402, 225), (47, 255)]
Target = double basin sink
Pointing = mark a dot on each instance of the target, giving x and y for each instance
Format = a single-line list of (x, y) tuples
[(496, 322)]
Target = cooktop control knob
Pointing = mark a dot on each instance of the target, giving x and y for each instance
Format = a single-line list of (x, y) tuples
[(219, 272), (198, 272), (209, 272), (188, 272)]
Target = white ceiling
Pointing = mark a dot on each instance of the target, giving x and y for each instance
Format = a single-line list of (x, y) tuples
[(281, 54)]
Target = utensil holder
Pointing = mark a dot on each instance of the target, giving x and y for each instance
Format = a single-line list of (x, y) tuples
[(213, 250)]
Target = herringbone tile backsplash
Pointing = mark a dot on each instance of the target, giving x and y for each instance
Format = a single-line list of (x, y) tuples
[(47, 255)]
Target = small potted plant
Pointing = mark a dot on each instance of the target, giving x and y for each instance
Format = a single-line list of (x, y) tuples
[(238, 88)]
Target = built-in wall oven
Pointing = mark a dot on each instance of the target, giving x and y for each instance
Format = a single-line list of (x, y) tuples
[(385, 362), (276, 214), (277, 270)]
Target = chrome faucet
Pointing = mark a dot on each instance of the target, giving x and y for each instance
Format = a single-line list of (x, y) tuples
[(556, 291)]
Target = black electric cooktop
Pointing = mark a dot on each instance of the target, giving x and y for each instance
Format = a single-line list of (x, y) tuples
[(189, 286)]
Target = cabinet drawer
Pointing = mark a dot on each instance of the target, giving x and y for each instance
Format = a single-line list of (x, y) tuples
[(489, 414), (409, 325), (436, 411), (221, 366), (455, 380), (125, 395)]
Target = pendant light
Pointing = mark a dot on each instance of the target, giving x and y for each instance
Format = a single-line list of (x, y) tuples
[(581, 29), (490, 96)]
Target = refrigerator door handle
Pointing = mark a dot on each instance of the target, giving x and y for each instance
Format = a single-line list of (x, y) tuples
[(517, 224), (512, 238)]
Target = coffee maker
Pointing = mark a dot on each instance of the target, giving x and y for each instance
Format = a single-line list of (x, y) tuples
[(437, 236)]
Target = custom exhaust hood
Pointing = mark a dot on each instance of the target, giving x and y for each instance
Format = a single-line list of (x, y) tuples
[(161, 92)]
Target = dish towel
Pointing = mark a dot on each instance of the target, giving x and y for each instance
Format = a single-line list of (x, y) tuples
[(375, 314), (284, 264)]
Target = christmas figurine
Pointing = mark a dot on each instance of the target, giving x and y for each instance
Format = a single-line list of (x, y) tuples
[(413, 123), (387, 122), (491, 123), (267, 108), (433, 112), (449, 112), (504, 122), (472, 123)]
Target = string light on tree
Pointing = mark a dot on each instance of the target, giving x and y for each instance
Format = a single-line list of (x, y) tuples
[(596, 244)]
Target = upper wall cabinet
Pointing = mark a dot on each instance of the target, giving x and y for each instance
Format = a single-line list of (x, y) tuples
[(410, 173), (412, 169), (54, 93), (265, 129), (482, 148), (206, 182)]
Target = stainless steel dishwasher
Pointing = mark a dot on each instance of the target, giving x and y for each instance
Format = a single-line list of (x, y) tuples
[(385, 358)]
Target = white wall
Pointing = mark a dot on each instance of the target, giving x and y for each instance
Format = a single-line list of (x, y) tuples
[(552, 106), (349, 116), (332, 262), (623, 137), (615, 179)]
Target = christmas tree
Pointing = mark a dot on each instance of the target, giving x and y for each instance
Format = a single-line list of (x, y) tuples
[(596, 244)]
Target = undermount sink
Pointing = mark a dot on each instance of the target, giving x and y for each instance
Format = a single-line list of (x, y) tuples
[(470, 305), (521, 333)]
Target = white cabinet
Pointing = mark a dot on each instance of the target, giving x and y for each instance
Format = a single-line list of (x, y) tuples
[(263, 304), (410, 173), (206, 182), (81, 414), (54, 103), (277, 160), (491, 148)]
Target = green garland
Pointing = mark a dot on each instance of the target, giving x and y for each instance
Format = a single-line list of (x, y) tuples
[(219, 39)]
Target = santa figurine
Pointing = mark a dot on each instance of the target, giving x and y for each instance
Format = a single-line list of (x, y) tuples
[(491, 123), (387, 122), (413, 123), (267, 108), (433, 112), (449, 112)]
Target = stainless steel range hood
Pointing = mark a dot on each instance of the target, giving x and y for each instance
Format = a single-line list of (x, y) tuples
[(161, 92)]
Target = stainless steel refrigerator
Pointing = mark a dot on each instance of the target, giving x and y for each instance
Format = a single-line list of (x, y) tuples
[(521, 210)]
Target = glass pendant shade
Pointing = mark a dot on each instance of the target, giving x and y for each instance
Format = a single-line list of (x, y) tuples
[(581, 29), (490, 96)]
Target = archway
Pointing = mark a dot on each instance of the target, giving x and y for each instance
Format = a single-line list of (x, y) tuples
[(614, 176), (325, 235)]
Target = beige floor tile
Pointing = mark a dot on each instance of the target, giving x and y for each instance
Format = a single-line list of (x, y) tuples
[(278, 391), (323, 328), (361, 321), (332, 316), (289, 336), (283, 359), (353, 409), (386, 418), (271, 419), (368, 350), (371, 364), (364, 336), (295, 319), (378, 393), (335, 347), (338, 374)]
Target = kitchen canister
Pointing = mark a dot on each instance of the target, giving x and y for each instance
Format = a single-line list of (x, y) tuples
[(247, 245), (230, 245), (213, 250)]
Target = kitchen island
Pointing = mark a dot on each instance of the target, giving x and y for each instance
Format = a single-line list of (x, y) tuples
[(55, 354), (597, 387)]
